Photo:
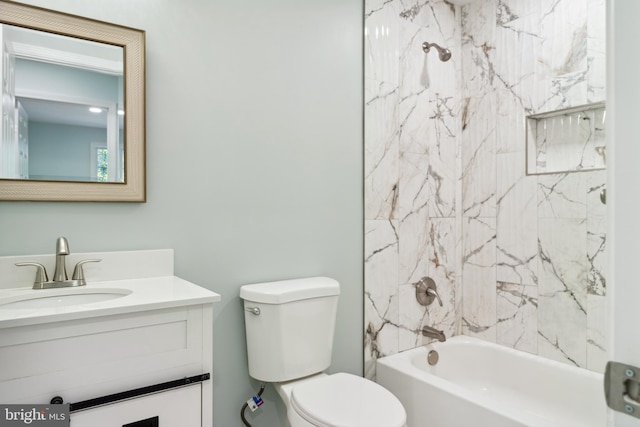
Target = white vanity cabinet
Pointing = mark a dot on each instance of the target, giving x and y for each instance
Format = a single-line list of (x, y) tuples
[(141, 360), (95, 357)]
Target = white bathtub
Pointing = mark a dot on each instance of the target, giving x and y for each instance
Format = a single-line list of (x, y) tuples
[(480, 384)]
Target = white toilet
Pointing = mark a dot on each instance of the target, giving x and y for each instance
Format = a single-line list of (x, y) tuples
[(289, 327)]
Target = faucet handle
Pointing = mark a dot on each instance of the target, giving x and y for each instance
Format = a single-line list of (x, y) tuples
[(41, 273), (433, 292), (426, 291), (78, 271)]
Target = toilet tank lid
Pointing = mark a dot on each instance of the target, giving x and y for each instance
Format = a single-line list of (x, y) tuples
[(290, 290)]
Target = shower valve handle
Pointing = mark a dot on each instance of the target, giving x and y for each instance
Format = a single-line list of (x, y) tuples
[(426, 291)]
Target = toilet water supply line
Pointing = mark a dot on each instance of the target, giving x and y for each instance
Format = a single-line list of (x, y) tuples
[(253, 404)]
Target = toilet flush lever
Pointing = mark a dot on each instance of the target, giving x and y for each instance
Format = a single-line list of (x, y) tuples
[(253, 310)]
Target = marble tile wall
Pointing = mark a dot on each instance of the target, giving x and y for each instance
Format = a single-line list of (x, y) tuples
[(523, 57), (412, 126), (518, 258)]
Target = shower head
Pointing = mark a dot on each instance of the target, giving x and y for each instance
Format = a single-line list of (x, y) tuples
[(443, 53)]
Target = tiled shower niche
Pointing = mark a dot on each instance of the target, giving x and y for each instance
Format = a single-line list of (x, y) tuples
[(567, 140)]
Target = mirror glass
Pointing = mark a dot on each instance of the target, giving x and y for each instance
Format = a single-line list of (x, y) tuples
[(72, 109), (64, 101)]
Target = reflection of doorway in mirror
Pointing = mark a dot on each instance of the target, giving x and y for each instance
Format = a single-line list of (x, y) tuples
[(22, 129), (8, 140)]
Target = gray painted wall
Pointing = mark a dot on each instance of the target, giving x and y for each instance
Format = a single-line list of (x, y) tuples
[(254, 164)]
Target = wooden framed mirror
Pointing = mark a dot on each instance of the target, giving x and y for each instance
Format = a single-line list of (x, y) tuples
[(73, 108)]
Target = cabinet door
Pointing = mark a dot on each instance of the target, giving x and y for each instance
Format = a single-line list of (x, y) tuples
[(178, 407)]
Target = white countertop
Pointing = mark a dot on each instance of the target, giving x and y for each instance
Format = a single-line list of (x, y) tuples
[(143, 295)]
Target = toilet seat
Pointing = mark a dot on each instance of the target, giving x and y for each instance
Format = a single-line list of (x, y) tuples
[(343, 399)]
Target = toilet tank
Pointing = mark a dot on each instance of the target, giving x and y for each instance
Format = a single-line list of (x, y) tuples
[(289, 327)]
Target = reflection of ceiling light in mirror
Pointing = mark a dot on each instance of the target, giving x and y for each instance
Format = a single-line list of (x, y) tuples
[(121, 112), (95, 109)]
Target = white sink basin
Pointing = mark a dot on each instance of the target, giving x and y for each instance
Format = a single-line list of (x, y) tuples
[(61, 298)]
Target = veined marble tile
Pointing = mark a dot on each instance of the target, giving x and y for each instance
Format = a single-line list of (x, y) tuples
[(596, 233), (479, 278), (564, 32), (596, 181), (412, 316), (463, 121), (443, 244), (479, 157), (563, 66), (381, 291), (517, 311), (414, 247), (563, 263), (424, 137), (562, 298), (478, 47), (429, 121), (420, 70), (381, 150), (596, 255), (433, 13), (428, 94), (440, 264), (517, 221), (517, 49), (561, 74), (562, 329), (381, 260), (479, 18), (596, 50), (510, 129), (414, 188), (381, 40), (596, 333), (427, 248), (562, 195), (444, 270), (567, 90), (443, 181), (380, 333)]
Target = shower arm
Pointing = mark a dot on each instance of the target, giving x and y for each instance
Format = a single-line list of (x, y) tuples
[(443, 53)]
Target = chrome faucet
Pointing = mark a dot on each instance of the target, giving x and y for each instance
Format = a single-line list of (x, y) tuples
[(430, 332), (60, 277)]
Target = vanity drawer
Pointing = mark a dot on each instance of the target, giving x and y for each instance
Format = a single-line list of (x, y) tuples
[(179, 407), (80, 359)]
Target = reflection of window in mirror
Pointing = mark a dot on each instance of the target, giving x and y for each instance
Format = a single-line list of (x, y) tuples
[(99, 162)]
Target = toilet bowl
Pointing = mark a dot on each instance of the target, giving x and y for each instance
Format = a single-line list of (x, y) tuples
[(289, 328), (340, 400)]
